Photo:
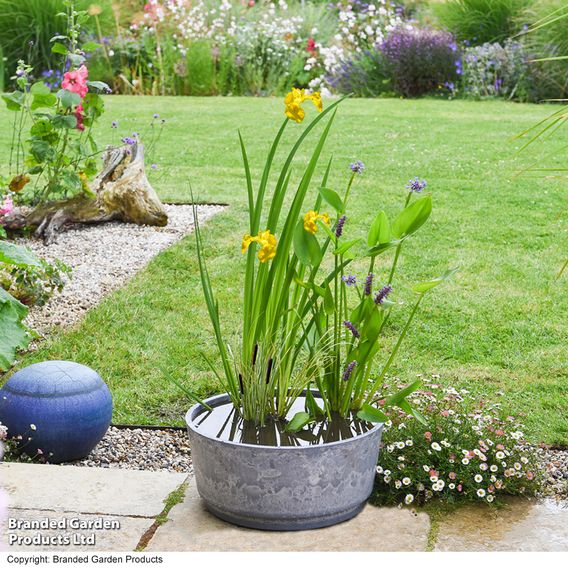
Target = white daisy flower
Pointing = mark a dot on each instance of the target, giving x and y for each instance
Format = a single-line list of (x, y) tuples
[(436, 446), (493, 479), (409, 499), (524, 460), (433, 478), (452, 486), (478, 478), (490, 498), (33, 427), (398, 484), (406, 481), (409, 443), (481, 493), (387, 472), (494, 468), (426, 468), (518, 466), (499, 455), (483, 466), (379, 469), (400, 445), (465, 461)]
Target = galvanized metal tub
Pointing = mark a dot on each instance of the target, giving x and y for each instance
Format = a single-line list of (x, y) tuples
[(286, 487)]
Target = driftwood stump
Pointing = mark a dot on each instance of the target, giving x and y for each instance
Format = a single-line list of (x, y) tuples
[(122, 192)]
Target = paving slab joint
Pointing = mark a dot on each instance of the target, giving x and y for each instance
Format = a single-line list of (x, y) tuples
[(174, 498)]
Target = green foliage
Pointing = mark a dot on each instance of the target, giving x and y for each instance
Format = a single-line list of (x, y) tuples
[(27, 27), (200, 69), (33, 284), (547, 38), (482, 21), (13, 334)]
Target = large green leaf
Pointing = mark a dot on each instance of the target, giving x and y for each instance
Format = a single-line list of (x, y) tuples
[(15, 100), (43, 100), (17, 255), (412, 217), (299, 420), (68, 99), (13, 334), (332, 197), (380, 231), (306, 245)]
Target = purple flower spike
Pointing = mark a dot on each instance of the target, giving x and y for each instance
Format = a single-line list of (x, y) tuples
[(349, 370), (154, 166), (156, 115), (352, 329), (368, 284), (416, 185), (357, 167), (339, 226), (350, 280), (114, 124), (129, 141), (382, 294)]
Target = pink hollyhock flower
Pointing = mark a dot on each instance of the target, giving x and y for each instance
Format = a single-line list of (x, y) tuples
[(7, 206), (76, 81), (79, 116)]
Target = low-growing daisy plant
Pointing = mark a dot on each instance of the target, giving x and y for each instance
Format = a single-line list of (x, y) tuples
[(313, 317)]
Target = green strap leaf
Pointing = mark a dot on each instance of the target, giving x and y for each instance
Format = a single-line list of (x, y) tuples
[(332, 198), (371, 414), (423, 287)]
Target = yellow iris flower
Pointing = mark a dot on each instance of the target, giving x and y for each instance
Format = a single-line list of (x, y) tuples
[(293, 102), (267, 242), (311, 218)]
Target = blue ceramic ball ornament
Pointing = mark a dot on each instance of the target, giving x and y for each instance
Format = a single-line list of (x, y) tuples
[(61, 408)]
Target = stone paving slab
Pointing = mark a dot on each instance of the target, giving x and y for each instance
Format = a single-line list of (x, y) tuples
[(98, 491), (122, 539), (191, 528), (521, 526)]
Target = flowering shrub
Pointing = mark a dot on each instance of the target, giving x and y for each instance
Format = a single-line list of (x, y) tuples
[(495, 70), (463, 451), (59, 151), (420, 61)]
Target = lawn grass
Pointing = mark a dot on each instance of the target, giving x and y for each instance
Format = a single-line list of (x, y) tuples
[(499, 328)]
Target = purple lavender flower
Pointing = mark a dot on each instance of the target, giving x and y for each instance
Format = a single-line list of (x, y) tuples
[(349, 370), (416, 185), (350, 280), (339, 226), (352, 329), (382, 294), (357, 167), (368, 284), (129, 141)]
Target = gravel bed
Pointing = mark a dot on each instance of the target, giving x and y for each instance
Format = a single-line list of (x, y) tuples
[(103, 257), (555, 467), (151, 450)]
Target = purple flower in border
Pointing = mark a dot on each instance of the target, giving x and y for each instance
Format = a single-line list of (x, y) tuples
[(350, 280), (129, 141), (154, 166), (339, 226), (352, 329), (349, 370), (382, 294), (357, 167), (368, 284), (156, 115), (416, 185), (114, 124)]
